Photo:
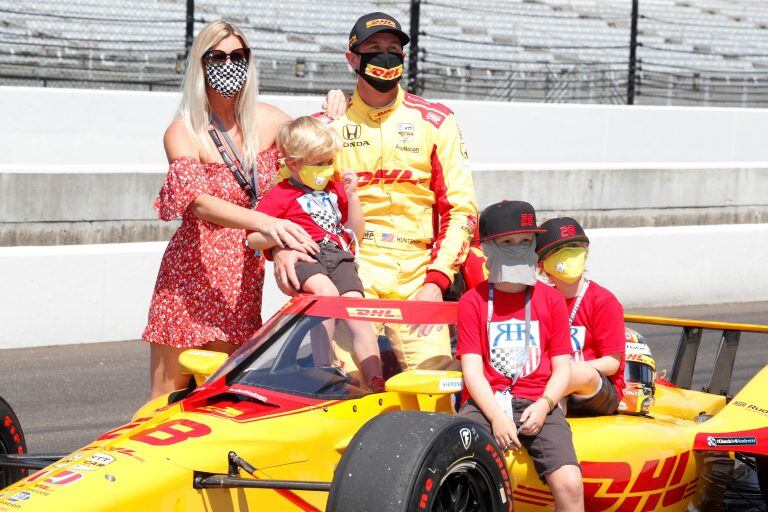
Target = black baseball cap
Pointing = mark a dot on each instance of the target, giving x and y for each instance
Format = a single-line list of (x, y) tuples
[(508, 218), (559, 231), (373, 23)]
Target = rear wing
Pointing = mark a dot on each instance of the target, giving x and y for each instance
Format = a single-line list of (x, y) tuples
[(688, 348)]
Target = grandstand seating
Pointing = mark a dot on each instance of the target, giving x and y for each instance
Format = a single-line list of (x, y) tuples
[(548, 50)]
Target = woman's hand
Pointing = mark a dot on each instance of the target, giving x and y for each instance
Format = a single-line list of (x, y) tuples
[(349, 179), (533, 417), (288, 235), (335, 103), (285, 269), (505, 432)]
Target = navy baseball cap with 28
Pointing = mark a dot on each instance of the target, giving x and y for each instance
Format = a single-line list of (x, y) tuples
[(508, 218), (559, 231), (373, 23)]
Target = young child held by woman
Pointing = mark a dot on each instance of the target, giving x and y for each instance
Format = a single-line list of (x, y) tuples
[(329, 210)]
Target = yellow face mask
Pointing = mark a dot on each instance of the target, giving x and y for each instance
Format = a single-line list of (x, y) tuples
[(316, 176), (567, 264)]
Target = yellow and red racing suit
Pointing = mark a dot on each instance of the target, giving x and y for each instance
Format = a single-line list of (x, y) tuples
[(418, 200)]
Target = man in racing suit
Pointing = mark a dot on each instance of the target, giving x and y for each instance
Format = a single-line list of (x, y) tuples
[(414, 184)]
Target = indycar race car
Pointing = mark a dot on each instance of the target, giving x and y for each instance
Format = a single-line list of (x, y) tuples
[(268, 430)]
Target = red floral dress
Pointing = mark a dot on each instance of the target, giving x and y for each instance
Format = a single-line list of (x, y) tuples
[(209, 285)]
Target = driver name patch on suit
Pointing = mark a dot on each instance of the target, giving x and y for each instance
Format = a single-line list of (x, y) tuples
[(508, 354)]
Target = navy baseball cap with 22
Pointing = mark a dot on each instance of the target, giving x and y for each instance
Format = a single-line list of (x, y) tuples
[(373, 23), (508, 218)]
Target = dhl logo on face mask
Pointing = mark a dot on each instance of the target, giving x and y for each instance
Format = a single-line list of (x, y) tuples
[(384, 73), (380, 21)]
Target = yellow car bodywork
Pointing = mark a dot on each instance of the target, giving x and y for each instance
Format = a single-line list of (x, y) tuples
[(629, 463)]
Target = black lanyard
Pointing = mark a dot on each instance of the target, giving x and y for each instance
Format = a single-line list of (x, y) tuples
[(251, 188)]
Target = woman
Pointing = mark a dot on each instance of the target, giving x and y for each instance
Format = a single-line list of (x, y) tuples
[(208, 290), (596, 320)]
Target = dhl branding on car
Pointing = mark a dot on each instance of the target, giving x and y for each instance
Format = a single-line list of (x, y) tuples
[(376, 313)]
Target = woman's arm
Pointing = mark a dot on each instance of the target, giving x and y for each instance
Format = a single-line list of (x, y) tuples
[(260, 242), (503, 426), (179, 143)]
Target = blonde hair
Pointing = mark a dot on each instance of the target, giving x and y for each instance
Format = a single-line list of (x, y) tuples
[(308, 139), (195, 109)]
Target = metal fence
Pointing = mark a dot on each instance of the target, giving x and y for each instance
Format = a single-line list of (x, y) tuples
[(511, 50)]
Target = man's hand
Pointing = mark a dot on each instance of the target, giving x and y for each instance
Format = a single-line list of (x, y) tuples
[(429, 292), (432, 293), (533, 417), (335, 103), (285, 269), (505, 433)]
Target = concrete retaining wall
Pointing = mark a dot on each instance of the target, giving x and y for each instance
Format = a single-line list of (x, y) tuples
[(91, 293), (53, 208), (81, 127)]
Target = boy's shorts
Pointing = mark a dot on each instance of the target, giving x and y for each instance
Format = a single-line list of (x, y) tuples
[(550, 449), (336, 264), (604, 403)]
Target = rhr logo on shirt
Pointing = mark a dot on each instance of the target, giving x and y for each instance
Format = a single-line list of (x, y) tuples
[(511, 334), (578, 338), (508, 354)]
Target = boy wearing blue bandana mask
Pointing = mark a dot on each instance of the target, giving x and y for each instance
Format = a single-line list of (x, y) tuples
[(330, 212), (515, 350)]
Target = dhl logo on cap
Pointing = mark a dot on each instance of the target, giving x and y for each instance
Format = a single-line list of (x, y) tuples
[(352, 40), (384, 73), (380, 21)]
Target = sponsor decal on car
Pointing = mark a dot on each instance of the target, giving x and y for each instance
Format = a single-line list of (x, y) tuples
[(100, 459), (450, 385), (731, 441), (376, 313), (750, 407), (19, 496)]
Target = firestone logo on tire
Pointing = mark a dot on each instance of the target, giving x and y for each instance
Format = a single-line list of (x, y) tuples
[(466, 437)]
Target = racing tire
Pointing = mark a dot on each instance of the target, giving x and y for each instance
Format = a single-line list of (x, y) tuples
[(413, 461), (11, 442)]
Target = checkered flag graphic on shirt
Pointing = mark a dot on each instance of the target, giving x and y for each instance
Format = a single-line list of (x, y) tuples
[(325, 218), (509, 360)]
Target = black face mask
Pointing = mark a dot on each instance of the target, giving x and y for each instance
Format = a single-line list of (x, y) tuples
[(382, 70)]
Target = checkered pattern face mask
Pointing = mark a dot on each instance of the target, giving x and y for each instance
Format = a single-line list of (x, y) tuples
[(227, 79)]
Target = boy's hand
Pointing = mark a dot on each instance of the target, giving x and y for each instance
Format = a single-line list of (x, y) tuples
[(533, 417), (349, 179), (505, 433)]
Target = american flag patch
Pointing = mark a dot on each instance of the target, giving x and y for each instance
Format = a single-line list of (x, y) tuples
[(386, 237)]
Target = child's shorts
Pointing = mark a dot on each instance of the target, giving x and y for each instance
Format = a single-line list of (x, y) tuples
[(604, 403), (550, 449), (335, 263)]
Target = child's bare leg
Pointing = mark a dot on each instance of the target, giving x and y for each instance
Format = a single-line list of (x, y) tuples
[(566, 487), (365, 346), (322, 351), (585, 379)]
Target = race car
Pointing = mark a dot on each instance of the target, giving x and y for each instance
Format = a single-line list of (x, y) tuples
[(268, 430)]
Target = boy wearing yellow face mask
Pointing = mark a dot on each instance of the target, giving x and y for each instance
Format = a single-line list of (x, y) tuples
[(596, 320), (330, 212)]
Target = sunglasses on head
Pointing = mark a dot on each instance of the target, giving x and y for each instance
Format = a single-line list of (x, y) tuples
[(220, 57)]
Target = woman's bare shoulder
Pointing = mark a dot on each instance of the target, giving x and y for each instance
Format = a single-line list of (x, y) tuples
[(179, 142)]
